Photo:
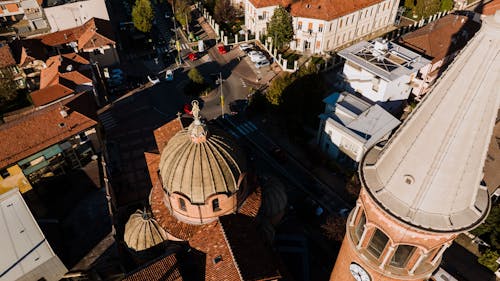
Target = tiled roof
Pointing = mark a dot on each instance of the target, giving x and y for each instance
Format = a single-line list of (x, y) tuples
[(27, 50), (6, 58), (442, 37), (163, 269), (252, 203), (328, 9), (49, 94), (75, 77), (34, 132), (88, 35), (255, 261), (166, 132), (491, 7), (76, 58), (267, 3), (219, 261)]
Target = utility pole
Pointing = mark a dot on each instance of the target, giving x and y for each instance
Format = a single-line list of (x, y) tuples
[(221, 95), (177, 43)]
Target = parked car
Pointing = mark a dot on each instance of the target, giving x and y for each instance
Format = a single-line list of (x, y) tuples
[(192, 56), (221, 49), (245, 47), (117, 71), (254, 54), (258, 58), (187, 109), (169, 75), (262, 63), (116, 76), (167, 16)]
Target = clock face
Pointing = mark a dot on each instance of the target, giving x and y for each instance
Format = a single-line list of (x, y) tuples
[(359, 273)]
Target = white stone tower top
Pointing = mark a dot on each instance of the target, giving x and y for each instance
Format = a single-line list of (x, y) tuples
[(429, 174)]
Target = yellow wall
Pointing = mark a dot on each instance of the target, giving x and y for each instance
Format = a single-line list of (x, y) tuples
[(16, 179)]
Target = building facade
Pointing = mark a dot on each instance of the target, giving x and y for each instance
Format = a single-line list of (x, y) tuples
[(416, 197), (381, 71), (350, 126), (323, 26)]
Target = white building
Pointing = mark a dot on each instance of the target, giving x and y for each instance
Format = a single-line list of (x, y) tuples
[(350, 126), (26, 254), (324, 25), (381, 71), (75, 14)]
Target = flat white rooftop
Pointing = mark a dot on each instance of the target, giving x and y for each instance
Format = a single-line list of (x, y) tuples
[(387, 60)]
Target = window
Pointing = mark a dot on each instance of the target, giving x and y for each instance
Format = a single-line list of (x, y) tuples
[(377, 243), (310, 27), (318, 44), (299, 27), (330, 27), (182, 204), (360, 226), (341, 21), (320, 28), (402, 255), (215, 205), (4, 173)]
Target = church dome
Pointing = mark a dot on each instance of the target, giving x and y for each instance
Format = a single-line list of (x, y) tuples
[(201, 161), (143, 232), (274, 197)]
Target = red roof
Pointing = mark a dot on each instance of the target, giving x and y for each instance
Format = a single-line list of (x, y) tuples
[(491, 7), (328, 9), (88, 35), (163, 269), (442, 37), (49, 94), (166, 132), (6, 57), (32, 133), (267, 3)]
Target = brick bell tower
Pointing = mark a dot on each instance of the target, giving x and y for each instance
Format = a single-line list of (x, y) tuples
[(424, 187)]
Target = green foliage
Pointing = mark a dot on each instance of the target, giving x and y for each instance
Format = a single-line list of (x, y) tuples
[(182, 11), (8, 90), (446, 5), (142, 15), (489, 259), (195, 76), (280, 27), (490, 229), (423, 8), (277, 87), (224, 12)]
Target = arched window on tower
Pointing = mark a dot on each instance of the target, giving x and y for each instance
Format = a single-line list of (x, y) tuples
[(377, 243), (182, 204), (215, 205), (402, 255), (360, 226)]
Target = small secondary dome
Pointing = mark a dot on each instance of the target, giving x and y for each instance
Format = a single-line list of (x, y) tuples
[(143, 232), (198, 162)]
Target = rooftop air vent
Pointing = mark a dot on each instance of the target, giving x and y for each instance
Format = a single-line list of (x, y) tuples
[(63, 113), (69, 67)]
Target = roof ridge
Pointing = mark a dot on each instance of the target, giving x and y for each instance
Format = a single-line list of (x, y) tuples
[(230, 249)]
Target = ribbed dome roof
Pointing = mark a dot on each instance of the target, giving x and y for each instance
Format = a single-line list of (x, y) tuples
[(201, 161), (274, 197), (143, 232)]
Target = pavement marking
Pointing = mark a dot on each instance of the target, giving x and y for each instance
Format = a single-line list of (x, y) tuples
[(245, 129)]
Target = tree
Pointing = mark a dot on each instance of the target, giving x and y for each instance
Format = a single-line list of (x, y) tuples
[(334, 228), (8, 90), (195, 76), (446, 5), (490, 229), (280, 27), (182, 12), (489, 259), (142, 15), (224, 12), (277, 87)]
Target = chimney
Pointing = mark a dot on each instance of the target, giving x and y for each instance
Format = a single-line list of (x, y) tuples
[(63, 112)]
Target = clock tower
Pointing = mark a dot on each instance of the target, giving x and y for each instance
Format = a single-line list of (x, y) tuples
[(424, 187)]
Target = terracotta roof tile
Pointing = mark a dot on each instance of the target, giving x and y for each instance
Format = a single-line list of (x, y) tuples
[(210, 240), (267, 3), (75, 77), (246, 245), (6, 57), (34, 132), (252, 204), (76, 58), (442, 37), (328, 9), (166, 132), (163, 269), (491, 7), (88, 32), (49, 94)]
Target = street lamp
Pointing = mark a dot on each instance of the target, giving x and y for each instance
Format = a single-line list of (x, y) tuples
[(219, 82)]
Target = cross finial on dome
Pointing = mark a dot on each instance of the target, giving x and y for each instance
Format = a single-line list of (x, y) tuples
[(196, 112)]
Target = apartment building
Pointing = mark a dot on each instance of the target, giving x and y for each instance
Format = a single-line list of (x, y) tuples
[(323, 26), (21, 17)]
